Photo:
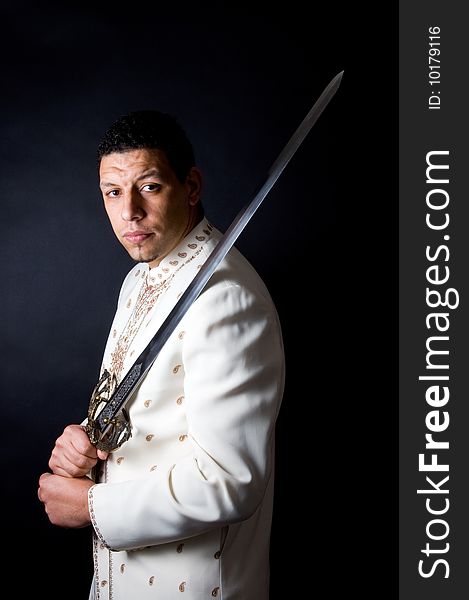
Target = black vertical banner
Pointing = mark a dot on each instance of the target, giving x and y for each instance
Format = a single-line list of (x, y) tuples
[(434, 310)]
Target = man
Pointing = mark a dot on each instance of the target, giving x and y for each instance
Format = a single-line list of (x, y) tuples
[(185, 505)]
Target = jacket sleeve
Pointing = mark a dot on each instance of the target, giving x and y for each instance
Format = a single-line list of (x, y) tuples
[(234, 373)]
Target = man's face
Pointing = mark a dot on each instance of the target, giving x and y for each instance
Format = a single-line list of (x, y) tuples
[(150, 210)]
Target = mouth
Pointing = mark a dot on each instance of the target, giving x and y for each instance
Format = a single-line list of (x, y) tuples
[(136, 237)]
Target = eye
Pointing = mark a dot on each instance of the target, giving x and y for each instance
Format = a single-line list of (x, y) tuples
[(151, 187), (113, 193)]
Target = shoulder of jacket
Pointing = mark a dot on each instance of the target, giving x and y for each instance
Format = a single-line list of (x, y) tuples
[(236, 272), (234, 287)]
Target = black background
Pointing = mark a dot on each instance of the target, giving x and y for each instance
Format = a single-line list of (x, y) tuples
[(239, 84)]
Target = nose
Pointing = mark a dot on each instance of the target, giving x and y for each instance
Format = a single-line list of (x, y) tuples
[(132, 209)]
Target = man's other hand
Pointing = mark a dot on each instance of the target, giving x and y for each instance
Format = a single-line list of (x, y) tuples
[(65, 499)]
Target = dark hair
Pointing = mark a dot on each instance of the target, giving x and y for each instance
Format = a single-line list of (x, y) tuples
[(154, 130)]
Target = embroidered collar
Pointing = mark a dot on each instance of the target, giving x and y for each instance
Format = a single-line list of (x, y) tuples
[(184, 250)]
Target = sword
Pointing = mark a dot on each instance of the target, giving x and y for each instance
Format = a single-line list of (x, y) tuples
[(108, 425)]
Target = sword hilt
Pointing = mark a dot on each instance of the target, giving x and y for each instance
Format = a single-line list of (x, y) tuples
[(117, 429)]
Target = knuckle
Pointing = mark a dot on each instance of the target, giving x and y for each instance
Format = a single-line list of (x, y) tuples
[(76, 471), (82, 462), (82, 448)]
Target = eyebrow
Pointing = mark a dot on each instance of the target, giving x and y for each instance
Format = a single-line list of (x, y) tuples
[(149, 173)]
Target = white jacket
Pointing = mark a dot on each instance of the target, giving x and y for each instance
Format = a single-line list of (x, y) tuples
[(184, 508)]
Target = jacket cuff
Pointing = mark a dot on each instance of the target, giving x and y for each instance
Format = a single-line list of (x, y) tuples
[(93, 515)]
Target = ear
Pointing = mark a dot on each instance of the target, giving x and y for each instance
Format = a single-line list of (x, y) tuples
[(194, 185)]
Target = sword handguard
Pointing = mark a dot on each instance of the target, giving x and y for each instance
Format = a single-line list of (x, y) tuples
[(118, 429)]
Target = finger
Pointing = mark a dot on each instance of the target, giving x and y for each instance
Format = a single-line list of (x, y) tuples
[(82, 461), (43, 476), (41, 483), (64, 473), (77, 438), (69, 452), (102, 454), (77, 467), (81, 443)]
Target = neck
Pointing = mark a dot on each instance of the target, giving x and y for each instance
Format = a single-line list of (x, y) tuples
[(194, 218)]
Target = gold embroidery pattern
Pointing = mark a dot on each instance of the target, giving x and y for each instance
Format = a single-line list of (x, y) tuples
[(96, 572), (147, 297), (111, 569), (93, 518)]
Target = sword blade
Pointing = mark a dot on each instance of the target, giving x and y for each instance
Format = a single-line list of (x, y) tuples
[(143, 363)]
